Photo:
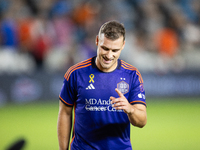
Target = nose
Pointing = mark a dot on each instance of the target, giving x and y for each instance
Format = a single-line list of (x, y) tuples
[(109, 54)]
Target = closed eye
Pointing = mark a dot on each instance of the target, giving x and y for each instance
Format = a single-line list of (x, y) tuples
[(107, 49), (115, 50)]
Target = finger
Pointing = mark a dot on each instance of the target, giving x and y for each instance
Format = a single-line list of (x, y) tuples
[(119, 107), (112, 98), (119, 92), (119, 104)]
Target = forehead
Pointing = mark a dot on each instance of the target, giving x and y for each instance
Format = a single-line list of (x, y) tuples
[(104, 41)]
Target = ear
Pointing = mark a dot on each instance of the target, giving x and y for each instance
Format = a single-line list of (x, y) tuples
[(97, 40), (123, 44)]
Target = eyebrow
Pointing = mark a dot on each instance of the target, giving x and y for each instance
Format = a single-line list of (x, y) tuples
[(104, 47)]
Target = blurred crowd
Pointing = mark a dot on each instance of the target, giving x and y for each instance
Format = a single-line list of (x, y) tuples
[(161, 35)]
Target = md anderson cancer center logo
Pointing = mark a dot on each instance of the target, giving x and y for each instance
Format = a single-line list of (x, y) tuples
[(93, 104)]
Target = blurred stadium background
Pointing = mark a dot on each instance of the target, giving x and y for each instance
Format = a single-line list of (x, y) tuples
[(40, 40)]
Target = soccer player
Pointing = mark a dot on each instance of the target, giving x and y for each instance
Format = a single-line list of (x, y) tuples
[(107, 95)]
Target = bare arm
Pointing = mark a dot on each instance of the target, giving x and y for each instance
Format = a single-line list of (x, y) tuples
[(136, 113), (64, 126)]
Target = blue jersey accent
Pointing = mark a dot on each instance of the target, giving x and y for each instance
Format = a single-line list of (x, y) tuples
[(97, 124)]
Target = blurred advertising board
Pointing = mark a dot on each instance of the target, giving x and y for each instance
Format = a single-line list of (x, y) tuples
[(46, 87)]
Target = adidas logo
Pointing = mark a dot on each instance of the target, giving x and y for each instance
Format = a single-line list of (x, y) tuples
[(90, 87)]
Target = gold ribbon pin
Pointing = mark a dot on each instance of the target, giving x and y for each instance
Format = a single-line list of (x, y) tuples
[(91, 78)]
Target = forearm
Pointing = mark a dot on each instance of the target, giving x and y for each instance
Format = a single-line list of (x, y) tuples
[(64, 130), (137, 117)]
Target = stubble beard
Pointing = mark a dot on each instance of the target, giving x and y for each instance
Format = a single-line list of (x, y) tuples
[(107, 66)]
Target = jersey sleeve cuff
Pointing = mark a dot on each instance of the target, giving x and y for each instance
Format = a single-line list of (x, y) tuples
[(138, 102), (67, 104)]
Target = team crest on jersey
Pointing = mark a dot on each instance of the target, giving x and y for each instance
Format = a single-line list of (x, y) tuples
[(123, 87)]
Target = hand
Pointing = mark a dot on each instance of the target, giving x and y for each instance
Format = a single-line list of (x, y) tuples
[(121, 103)]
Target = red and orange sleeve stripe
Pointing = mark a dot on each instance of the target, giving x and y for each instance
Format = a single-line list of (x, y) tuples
[(77, 66)]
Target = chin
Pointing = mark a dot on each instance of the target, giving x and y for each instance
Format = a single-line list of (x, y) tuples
[(105, 66)]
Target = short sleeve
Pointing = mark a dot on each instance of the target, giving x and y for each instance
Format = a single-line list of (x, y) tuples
[(137, 92), (67, 94)]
